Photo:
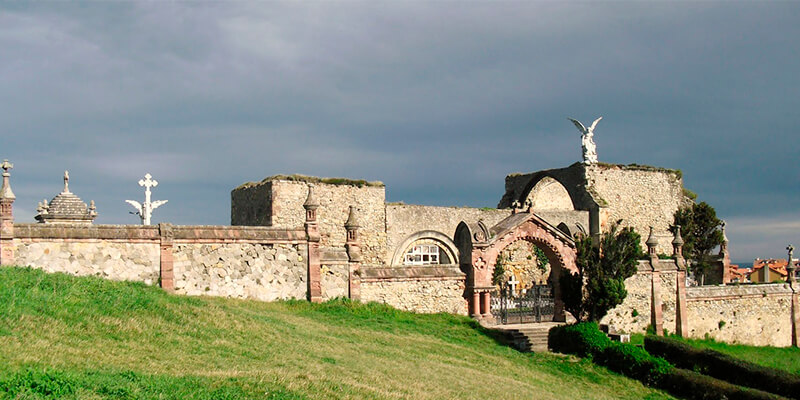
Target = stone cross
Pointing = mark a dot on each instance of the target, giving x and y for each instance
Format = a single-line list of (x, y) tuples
[(145, 210), (513, 283), (66, 182)]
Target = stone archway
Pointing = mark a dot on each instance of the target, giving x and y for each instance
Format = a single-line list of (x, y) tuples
[(484, 245)]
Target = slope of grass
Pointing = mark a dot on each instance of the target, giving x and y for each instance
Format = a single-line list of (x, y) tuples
[(69, 337)]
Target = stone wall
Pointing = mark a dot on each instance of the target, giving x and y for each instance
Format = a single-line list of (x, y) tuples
[(259, 271), (245, 262), (633, 315), (283, 201), (114, 260), (418, 289), (757, 315), (334, 279), (640, 196)]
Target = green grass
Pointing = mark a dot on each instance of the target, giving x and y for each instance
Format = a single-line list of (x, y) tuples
[(87, 338), (782, 358)]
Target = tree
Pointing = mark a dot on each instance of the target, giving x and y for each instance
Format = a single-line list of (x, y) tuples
[(702, 233), (599, 284)]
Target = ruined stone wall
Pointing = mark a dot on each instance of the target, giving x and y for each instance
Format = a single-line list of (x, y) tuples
[(757, 315), (640, 196), (403, 220), (334, 279), (251, 204), (283, 200), (419, 289), (259, 271)]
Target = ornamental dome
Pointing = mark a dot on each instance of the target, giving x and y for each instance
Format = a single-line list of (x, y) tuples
[(66, 208)]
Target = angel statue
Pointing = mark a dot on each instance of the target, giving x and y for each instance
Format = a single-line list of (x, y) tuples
[(587, 143)]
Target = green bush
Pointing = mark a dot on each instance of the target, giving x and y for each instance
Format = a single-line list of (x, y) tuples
[(584, 339), (634, 362), (725, 367)]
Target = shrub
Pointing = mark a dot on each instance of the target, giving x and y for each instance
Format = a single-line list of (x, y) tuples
[(725, 367), (634, 362), (584, 339)]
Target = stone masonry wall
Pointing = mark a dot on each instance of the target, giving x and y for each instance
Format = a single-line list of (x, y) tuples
[(641, 197), (418, 295), (285, 199), (633, 315), (334, 279), (404, 220), (758, 315), (114, 260), (265, 272)]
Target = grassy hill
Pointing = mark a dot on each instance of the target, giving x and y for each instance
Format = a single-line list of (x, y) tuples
[(68, 337)]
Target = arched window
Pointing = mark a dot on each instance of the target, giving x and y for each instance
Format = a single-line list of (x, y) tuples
[(425, 252)]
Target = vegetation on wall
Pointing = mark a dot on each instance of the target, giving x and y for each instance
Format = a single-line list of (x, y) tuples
[(603, 267), (702, 233), (314, 179)]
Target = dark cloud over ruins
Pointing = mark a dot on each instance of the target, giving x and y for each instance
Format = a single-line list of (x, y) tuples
[(440, 101)]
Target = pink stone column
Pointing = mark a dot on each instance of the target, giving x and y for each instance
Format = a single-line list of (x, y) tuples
[(166, 258), (681, 316), (313, 238), (486, 303), (353, 254), (6, 217), (474, 306), (795, 320), (656, 319)]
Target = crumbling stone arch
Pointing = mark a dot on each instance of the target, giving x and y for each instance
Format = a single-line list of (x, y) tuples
[(549, 194), (546, 180), (485, 245)]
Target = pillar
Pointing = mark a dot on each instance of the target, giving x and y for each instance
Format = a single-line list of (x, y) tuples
[(354, 255), (795, 308), (166, 245), (656, 319), (486, 306), (474, 304), (312, 238), (6, 217), (681, 317)]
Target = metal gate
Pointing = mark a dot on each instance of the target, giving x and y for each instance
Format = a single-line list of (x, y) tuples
[(535, 304)]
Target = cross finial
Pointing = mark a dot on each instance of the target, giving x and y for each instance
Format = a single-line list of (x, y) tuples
[(147, 182), (6, 166), (66, 181)]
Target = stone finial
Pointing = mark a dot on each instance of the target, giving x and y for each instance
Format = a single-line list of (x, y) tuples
[(677, 242), (528, 205), (311, 201), (6, 192), (66, 182), (651, 242), (352, 222), (43, 207), (92, 209)]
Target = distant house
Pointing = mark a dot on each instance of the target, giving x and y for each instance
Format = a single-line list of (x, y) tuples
[(771, 270), (739, 274)]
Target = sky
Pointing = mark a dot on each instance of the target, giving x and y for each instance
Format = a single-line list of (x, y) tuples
[(438, 100)]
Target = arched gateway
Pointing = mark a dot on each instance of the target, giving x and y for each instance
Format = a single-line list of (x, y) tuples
[(479, 247)]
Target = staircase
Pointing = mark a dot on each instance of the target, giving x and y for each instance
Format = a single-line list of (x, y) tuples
[(527, 337)]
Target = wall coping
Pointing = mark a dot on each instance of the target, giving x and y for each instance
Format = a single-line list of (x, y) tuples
[(152, 232), (418, 272), (700, 293)]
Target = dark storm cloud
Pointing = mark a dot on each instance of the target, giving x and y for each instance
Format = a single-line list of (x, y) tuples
[(438, 100)]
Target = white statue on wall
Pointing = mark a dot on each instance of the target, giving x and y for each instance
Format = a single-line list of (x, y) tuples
[(587, 143), (145, 210)]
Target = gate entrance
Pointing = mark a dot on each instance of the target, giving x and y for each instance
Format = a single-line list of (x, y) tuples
[(539, 299), (536, 304)]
